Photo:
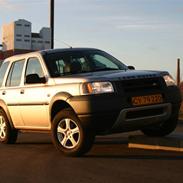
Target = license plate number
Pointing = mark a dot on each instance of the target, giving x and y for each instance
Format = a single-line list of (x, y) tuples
[(147, 100)]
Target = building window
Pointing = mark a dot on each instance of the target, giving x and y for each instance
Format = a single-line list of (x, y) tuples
[(33, 41), (26, 40), (47, 42), (18, 35), (40, 41), (27, 25), (18, 40), (26, 36), (18, 24)]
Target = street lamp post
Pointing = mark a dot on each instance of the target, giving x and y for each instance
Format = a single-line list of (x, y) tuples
[(178, 71), (52, 22)]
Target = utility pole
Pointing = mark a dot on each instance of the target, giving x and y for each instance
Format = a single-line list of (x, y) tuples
[(52, 22), (178, 71)]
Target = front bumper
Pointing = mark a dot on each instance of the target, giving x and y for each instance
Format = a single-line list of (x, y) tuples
[(114, 113), (138, 117)]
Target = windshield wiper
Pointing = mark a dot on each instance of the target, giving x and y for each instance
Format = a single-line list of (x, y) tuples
[(105, 69)]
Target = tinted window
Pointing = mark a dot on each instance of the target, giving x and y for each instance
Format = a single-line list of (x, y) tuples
[(14, 76), (3, 69), (65, 64), (74, 62), (60, 64), (102, 62)]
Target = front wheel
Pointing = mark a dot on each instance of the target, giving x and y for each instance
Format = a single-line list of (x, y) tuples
[(69, 135)]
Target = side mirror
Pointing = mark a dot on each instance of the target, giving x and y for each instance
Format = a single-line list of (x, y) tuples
[(34, 79), (131, 67)]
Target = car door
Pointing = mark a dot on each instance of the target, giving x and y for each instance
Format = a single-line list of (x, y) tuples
[(11, 95), (34, 106)]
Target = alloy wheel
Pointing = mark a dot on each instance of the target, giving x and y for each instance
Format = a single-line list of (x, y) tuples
[(68, 133)]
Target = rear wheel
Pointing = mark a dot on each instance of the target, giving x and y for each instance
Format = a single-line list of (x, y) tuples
[(164, 128), (8, 135), (69, 135)]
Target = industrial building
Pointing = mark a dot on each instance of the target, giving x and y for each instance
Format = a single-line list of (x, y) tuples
[(17, 37)]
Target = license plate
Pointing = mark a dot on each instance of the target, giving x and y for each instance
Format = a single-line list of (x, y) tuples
[(147, 100)]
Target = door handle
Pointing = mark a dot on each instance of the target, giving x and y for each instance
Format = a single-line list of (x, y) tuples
[(21, 91), (4, 93)]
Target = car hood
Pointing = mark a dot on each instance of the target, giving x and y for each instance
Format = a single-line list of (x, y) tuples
[(109, 76), (122, 75)]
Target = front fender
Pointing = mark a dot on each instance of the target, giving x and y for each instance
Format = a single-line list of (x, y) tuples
[(61, 96)]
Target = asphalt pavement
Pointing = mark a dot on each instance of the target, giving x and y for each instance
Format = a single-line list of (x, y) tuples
[(34, 159)]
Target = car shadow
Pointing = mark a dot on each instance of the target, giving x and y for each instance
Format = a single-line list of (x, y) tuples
[(117, 148), (107, 147)]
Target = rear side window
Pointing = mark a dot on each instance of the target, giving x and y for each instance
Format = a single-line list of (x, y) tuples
[(14, 76), (3, 69)]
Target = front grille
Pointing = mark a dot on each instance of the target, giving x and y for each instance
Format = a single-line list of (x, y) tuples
[(144, 86), (138, 85)]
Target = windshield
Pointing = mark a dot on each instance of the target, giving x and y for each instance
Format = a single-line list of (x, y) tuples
[(75, 62)]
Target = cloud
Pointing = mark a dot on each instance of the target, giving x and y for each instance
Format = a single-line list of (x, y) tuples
[(155, 27), (136, 27), (6, 4), (130, 23), (137, 23)]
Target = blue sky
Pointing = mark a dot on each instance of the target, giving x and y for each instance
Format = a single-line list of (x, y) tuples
[(145, 33)]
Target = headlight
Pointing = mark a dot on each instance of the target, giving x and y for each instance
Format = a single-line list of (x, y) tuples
[(96, 88), (169, 80)]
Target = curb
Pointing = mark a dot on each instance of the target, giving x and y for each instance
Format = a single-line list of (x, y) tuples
[(170, 143)]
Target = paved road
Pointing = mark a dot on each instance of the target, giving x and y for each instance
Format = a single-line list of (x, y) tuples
[(34, 159)]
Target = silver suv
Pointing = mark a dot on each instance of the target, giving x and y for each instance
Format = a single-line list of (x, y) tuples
[(78, 93)]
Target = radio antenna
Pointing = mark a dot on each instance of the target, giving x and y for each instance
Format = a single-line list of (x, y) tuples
[(67, 44)]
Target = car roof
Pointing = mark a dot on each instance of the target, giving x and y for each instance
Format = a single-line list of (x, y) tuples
[(50, 51), (44, 52)]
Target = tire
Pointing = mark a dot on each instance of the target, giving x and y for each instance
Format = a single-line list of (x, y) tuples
[(164, 128), (69, 135), (8, 135)]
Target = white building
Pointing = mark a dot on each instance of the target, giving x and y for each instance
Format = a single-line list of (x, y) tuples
[(18, 36)]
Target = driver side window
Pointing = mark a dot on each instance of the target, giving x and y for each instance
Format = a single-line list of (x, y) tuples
[(34, 71)]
